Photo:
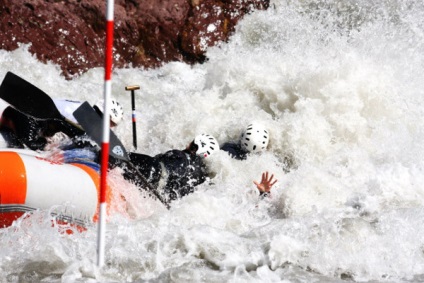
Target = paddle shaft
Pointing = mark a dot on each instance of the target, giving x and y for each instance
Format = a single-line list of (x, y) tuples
[(134, 128)]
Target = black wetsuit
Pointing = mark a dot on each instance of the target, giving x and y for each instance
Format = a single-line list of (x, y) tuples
[(173, 174), (27, 130), (10, 138), (234, 150)]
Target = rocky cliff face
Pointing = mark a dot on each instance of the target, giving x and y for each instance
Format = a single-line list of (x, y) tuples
[(147, 33)]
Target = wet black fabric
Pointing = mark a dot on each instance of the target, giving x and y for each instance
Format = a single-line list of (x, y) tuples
[(11, 139), (148, 166), (179, 171), (32, 132), (25, 128), (185, 172), (53, 126), (234, 150)]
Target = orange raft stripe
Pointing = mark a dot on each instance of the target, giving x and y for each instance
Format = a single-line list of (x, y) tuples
[(94, 175), (13, 181)]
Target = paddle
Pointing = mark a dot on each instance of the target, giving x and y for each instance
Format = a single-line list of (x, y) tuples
[(32, 101), (28, 98), (133, 88), (91, 122)]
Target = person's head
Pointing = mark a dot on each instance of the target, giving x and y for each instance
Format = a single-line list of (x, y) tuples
[(254, 138), (116, 111), (203, 145)]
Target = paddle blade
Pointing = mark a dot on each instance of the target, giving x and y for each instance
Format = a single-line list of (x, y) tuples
[(27, 98), (92, 123)]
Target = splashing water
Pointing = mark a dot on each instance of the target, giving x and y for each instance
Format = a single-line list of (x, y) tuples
[(338, 84)]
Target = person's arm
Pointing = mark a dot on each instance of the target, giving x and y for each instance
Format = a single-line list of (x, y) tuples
[(266, 184)]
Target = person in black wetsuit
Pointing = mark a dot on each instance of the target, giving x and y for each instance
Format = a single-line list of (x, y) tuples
[(176, 173)]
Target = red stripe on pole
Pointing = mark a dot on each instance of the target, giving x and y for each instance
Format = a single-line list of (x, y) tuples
[(106, 128), (104, 167), (109, 50)]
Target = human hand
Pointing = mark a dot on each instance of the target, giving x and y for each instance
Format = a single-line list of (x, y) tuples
[(266, 183)]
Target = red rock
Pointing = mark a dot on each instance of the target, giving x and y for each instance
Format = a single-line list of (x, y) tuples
[(147, 33)]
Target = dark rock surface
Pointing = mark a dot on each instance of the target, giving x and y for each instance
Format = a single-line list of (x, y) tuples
[(147, 33)]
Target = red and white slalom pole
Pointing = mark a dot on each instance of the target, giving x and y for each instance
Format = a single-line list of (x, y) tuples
[(106, 128)]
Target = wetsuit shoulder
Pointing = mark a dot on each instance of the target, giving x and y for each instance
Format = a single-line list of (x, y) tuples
[(148, 166), (184, 172), (234, 150)]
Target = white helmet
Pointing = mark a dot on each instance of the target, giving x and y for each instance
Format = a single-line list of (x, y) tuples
[(206, 144), (116, 111), (255, 138)]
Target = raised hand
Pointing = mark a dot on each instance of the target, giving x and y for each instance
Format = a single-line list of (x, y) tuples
[(266, 183)]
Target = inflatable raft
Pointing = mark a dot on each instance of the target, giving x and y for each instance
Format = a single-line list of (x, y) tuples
[(29, 182)]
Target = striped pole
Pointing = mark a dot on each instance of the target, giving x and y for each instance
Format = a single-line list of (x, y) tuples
[(101, 233), (133, 88)]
